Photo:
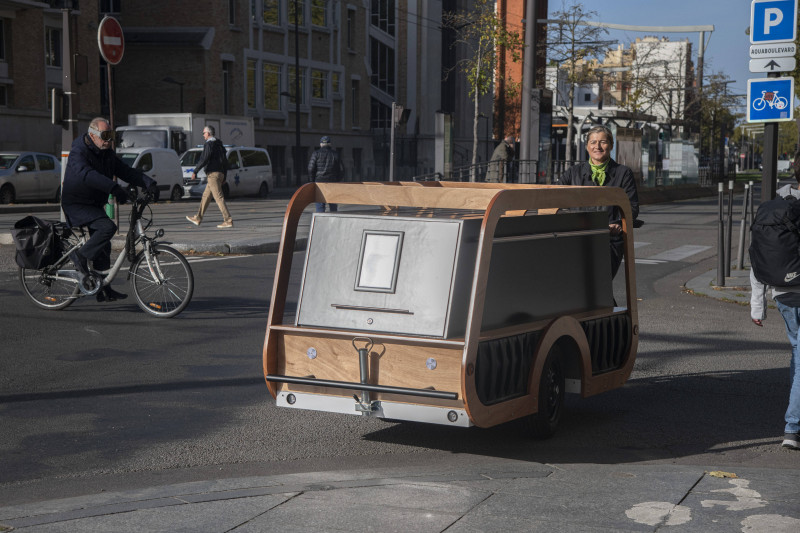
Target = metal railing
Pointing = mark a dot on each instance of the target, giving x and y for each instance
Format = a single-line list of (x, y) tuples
[(514, 171)]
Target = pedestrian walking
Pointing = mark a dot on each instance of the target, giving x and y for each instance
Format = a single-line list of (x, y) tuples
[(498, 171), (215, 160), (325, 165), (602, 171), (787, 300)]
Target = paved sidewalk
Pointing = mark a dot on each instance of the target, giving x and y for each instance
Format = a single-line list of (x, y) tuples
[(509, 496)]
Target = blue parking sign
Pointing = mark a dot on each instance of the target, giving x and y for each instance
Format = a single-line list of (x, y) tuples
[(773, 21), (770, 100)]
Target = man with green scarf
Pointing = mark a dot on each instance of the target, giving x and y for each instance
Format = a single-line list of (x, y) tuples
[(602, 171)]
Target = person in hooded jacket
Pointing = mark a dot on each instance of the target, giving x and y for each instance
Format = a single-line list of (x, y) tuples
[(88, 181), (324, 166)]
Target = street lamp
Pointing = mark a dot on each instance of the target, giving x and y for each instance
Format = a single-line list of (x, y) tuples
[(180, 84)]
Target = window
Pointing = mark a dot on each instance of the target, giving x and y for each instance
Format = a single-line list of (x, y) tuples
[(110, 6), (319, 13), (26, 162), (382, 62), (383, 15), (299, 6), (379, 260), (233, 160), (299, 99), (380, 115), (351, 28), (46, 162), (272, 86), (354, 103), (272, 12), (336, 84), (2, 39), (251, 84), (52, 47), (231, 12), (226, 87), (254, 158), (319, 84), (145, 164), (587, 97)]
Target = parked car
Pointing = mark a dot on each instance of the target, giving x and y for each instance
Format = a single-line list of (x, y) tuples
[(161, 164), (249, 173), (26, 176)]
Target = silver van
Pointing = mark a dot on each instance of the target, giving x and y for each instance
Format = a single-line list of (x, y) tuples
[(249, 173)]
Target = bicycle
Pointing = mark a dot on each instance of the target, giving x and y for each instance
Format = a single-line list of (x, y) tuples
[(161, 278), (771, 98)]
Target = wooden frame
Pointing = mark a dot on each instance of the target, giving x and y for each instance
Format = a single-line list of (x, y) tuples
[(496, 201)]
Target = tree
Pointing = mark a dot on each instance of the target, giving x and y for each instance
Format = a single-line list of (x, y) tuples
[(482, 34), (571, 44)]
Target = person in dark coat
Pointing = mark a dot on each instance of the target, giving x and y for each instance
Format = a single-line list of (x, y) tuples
[(88, 181), (602, 171), (215, 160), (498, 171), (325, 166)]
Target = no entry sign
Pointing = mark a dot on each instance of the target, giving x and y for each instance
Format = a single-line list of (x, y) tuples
[(110, 40)]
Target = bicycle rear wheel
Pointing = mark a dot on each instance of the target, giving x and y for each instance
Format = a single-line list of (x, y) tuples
[(47, 289), (165, 289)]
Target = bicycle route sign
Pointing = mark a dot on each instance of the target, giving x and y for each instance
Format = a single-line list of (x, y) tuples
[(770, 100)]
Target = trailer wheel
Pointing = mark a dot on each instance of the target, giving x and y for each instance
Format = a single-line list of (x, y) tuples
[(543, 424)]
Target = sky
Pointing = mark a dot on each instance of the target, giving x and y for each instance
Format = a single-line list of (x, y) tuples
[(727, 49)]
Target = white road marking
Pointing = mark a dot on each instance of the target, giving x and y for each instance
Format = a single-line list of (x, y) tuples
[(745, 498), (659, 513), (680, 253)]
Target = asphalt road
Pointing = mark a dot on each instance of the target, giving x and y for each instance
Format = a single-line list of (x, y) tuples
[(102, 397)]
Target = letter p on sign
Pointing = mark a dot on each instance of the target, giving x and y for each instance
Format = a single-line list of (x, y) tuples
[(772, 17)]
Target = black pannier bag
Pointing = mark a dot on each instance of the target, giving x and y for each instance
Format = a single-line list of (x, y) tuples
[(36, 242), (775, 242)]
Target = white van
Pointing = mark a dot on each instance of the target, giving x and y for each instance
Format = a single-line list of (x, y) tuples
[(161, 164), (249, 173)]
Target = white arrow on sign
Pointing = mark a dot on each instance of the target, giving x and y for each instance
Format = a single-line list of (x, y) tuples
[(772, 64)]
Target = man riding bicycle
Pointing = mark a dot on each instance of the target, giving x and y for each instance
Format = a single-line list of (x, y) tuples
[(88, 180)]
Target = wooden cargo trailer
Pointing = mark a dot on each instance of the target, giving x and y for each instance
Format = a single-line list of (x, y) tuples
[(462, 304)]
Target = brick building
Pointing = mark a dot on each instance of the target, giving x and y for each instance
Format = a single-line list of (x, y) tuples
[(238, 57)]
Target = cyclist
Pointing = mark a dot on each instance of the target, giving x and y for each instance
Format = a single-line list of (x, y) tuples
[(88, 180)]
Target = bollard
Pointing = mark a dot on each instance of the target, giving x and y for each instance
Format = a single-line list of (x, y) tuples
[(720, 242), (729, 230), (742, 223)]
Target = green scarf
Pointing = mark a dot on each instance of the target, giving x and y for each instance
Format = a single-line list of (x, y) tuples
[(599, 172)]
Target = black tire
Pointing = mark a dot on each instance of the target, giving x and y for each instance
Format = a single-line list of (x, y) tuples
[(263, 191), (171, 295), (543, 424), (47, 289), (177, 194), (7, 195)]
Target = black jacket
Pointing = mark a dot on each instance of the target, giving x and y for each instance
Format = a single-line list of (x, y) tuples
[(325, 165), (616, 176), (214, 157), (88, 181)]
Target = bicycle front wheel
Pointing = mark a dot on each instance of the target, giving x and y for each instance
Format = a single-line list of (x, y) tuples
[(163, 288), (47, 289)]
